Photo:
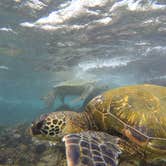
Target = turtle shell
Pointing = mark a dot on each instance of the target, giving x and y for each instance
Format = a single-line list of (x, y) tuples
[(136, 112)]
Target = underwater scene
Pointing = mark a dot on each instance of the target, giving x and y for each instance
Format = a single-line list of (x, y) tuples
[(84, 56)]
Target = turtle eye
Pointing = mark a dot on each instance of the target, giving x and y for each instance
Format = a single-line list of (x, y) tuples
[(39, 125)]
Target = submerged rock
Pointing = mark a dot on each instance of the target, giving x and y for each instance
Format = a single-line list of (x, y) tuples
[(17, 148)]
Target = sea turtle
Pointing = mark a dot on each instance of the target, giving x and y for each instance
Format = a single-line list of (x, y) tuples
[(79, 87), (123, 123)]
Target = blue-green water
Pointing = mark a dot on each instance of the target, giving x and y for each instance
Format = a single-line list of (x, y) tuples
[(43, 43)]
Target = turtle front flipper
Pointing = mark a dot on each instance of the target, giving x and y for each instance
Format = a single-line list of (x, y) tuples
[(92, 149), (87, 90)]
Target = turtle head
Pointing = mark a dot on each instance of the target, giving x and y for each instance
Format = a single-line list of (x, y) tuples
[(55, 125)]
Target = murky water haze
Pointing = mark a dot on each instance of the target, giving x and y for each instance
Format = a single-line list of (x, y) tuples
[(43, 43)]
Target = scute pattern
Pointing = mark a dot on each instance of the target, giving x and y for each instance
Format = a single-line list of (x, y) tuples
[(137, 112), (141, 107)]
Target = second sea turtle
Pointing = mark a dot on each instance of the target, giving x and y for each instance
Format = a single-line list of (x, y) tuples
[(77, 87)]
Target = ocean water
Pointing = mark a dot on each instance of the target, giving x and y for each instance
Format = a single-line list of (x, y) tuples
[(44, 43)]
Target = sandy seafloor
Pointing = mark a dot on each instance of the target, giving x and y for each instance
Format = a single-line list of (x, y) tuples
[(46, 42)]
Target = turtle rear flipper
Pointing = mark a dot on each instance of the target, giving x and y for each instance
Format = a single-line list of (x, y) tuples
[(92, 149)]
